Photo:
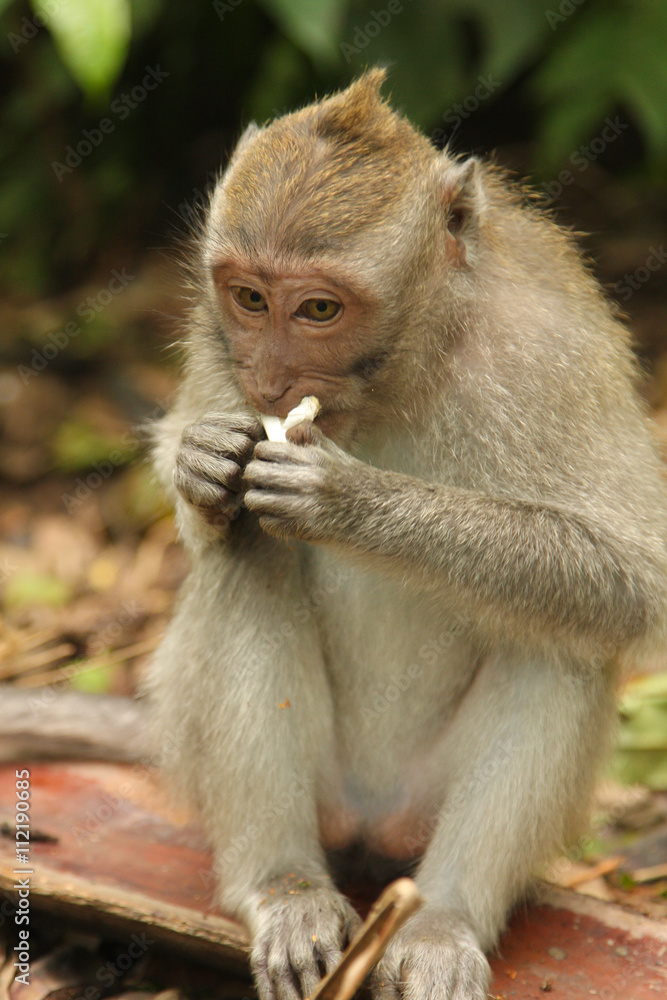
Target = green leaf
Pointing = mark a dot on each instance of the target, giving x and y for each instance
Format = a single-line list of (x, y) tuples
[(315, 28), (280, 75), (612, 57), (92, 37), (641, 767), (641, 756), (97, 680), (512, 32), (563, 128), (35, 589), (439, 44), (77, 446)]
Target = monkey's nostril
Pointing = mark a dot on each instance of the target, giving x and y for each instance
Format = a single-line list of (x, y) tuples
[(272, 396)]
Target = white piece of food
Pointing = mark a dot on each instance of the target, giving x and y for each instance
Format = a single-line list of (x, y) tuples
[(275, 428)]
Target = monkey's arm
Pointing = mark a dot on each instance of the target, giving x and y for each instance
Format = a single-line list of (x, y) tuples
[(529, 570)]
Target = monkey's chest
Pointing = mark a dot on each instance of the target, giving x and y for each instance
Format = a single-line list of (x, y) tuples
[(394, 657)]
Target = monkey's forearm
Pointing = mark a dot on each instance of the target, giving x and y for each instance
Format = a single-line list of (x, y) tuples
[(528, 566)]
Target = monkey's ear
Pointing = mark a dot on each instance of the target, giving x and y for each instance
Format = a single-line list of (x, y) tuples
[(463, 200)]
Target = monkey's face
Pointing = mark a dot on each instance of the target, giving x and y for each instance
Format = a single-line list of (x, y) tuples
[(300, 332), (321, 239)]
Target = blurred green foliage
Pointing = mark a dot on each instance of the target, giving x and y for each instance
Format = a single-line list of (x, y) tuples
[(96, 154), (641, 755)]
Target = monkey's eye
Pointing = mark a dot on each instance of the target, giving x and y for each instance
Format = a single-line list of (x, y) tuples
[(319, 309), (248, 298)]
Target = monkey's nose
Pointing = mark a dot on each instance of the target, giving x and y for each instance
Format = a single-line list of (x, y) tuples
[(273, 395)]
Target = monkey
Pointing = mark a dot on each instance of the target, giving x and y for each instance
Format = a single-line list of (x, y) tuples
[(403, 626)]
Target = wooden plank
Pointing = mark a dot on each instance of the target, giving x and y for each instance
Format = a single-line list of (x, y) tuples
[(119, 854)]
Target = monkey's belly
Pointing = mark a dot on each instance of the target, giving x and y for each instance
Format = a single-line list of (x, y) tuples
[(396, 679)]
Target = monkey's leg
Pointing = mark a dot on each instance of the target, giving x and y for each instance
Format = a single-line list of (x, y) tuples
[(519, 761), (245, 714)]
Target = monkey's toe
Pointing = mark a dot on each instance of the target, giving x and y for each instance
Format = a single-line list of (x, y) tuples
[(297, 940)]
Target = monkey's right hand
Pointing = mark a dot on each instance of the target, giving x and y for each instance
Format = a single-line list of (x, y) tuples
[(299, 932), (209, 464)]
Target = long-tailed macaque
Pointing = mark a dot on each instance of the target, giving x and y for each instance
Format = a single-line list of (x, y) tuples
[(400, 635)]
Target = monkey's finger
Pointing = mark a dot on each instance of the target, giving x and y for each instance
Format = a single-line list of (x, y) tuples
[(208, 437), (310, 435), (266, 475), (212, 468), (201, 492), (260, 971), (280, 972), (290, 506), (384, 988), (285, 988), (277, 527), (306, 969), (305, 433), (241, 423), (283, 453), (262, 502), (331, 958)]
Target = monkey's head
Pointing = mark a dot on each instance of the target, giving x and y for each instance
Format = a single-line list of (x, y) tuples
[(332, 238)]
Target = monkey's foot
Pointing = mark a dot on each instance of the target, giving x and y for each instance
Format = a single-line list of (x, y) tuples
[(300, 931), (435, 956)]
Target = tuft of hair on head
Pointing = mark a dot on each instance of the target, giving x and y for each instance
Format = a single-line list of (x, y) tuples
[(348, 112), (314, 178)]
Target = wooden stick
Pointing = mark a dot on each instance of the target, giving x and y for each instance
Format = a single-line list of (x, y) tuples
[(32, 661), (109, 659), (578, 877), (398, 902), (651, 874)]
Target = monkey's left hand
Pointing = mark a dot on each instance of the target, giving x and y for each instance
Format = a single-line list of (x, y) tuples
[(300, 490)]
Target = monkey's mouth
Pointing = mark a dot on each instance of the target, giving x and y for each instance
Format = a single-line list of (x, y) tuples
[(305, 412)]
